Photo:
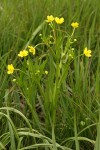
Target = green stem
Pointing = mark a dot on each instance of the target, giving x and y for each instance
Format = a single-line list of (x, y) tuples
[(75, 131), (97, 144), (53, 138), (73, 32)]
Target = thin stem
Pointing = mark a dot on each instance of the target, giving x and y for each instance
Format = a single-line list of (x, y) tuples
[(75, 131), (53, 138)]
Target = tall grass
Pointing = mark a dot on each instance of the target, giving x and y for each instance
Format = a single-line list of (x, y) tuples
[(58, 110)]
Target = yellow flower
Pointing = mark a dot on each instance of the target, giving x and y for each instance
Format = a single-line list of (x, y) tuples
[(46, 72), (50, 18), (31, 49), (87, 52), (23, 53), (59, 20), (10, 69), (75, 24)]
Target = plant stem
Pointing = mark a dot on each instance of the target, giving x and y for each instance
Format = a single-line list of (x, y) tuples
[(75, 131)]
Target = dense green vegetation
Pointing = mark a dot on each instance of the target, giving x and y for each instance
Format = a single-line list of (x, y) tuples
[(52, 99)]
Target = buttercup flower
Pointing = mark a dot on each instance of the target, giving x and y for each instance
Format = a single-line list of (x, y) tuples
[(50, 18), (87, 52), (59, 20), (31, 49), (75, 24), (23, 53), (10, 69)]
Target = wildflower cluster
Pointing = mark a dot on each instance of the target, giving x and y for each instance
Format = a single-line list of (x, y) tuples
[(56, 19), (25, 53), (22, 53), (64, 53)]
